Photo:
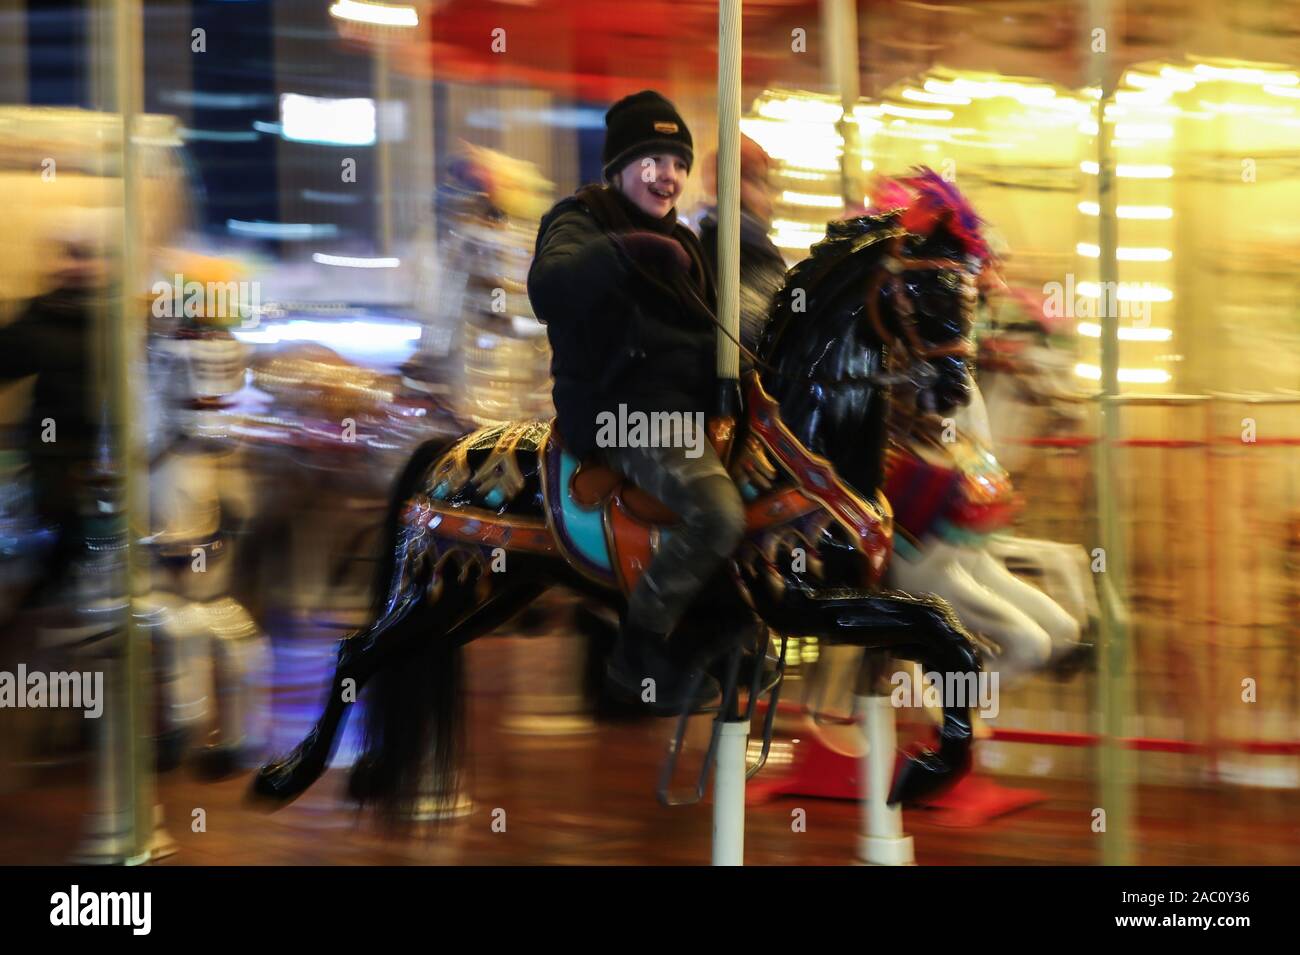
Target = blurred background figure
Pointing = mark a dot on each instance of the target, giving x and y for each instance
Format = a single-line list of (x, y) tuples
[(54, 340), (210, 655), (484, 354), (59, 556), (761, 266)]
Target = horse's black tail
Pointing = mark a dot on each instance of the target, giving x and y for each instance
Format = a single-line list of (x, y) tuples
[(414, 706), (415, 731)]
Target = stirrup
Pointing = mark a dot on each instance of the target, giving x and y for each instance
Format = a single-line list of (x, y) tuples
[(725, 713)]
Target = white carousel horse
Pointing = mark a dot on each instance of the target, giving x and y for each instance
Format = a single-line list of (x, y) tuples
[(1026, 628), (1028, 391), (210, 652)]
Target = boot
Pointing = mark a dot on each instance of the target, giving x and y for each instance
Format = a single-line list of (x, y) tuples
[(640, 654), (1078, 658)]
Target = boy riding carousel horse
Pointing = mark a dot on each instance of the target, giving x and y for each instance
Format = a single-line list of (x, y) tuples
[(883, 300), (628, 298)]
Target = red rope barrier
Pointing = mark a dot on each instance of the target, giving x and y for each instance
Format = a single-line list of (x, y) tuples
[(1146, 744)]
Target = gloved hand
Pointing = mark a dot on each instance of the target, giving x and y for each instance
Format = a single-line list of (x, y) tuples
[(658, 253)]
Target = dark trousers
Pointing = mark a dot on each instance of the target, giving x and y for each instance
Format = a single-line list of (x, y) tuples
[(712, 524)]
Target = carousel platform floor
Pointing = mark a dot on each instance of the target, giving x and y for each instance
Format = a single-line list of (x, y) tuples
[(588, 799)]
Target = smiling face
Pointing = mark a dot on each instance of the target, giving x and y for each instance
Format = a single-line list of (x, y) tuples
[(653, 182)]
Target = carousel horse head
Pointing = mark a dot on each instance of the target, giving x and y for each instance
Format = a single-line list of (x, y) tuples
[(887, 299)]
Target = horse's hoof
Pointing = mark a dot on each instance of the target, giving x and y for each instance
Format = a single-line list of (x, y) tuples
[(264, 792), (213, 763), (924, 777), (278, 784), (169, 749), (1077, 659)]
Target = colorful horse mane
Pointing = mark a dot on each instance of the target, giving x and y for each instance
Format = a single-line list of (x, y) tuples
[(927, 202)]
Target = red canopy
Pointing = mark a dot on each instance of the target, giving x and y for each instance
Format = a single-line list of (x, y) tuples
[(598, 50)]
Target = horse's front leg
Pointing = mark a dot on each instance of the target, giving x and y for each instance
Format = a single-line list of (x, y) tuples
[(360, 656), (923, 629)]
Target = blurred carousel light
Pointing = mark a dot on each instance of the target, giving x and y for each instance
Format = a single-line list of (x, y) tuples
[(219, 135), (801, 109), (1246, 109), (941, 99), (356, 262), (1126, 253), (327, 120), (379, 14), (1153, 96), (1093, 330), (1144, 131), (1131, 170), (811, 199), (1129, 212), (1156, 83), (1246, 74), (282, 230), (1135, 376), (1146, 292), (796, 235), (916, 112)]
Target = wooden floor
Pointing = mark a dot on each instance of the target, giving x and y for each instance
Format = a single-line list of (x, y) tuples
[(589, 799)]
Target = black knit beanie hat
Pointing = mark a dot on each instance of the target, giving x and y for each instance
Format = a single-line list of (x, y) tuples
[(643, 123)]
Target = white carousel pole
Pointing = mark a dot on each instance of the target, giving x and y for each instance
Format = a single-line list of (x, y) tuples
[(729, 773), (882, 841), (840, 72), (729, 794)]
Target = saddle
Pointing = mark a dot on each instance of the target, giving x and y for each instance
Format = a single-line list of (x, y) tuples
[(515, 486), (595, 481), (956, 492)]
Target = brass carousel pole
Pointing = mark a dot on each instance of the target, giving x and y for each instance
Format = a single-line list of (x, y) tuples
[(120, 828), (1114, 764)]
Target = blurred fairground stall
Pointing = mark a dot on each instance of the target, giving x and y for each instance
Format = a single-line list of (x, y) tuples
[(363, 177)]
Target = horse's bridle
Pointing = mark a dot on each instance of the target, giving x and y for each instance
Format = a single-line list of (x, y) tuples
[(895, 264)]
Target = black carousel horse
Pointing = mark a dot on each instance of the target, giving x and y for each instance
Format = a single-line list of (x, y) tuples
[(479, 527)]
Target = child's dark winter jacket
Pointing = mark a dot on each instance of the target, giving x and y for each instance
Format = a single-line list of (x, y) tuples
[(620, 332)]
